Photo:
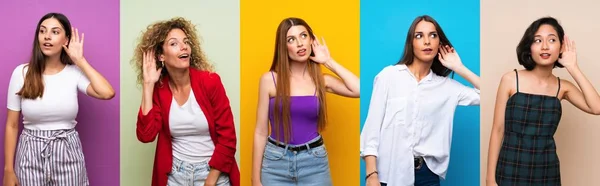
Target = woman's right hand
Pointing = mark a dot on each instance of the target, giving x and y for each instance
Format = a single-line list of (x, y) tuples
[(10, 179), (149, 71), (373, 180)]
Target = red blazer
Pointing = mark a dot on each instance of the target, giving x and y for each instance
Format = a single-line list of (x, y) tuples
[(211, 96)]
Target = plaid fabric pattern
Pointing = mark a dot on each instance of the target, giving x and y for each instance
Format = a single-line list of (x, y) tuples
[(528, 153)]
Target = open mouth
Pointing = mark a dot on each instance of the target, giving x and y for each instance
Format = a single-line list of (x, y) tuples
[(301, 52), (48, 45), (184, 56), (545, 55)]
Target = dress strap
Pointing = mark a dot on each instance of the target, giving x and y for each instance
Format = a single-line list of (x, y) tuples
[(517, 75), (274, 83), (558, 91)]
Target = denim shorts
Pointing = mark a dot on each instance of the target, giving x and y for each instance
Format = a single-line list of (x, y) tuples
[(282, 167), (192, 174)]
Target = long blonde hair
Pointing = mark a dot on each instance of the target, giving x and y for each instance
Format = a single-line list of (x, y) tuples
[(154, 37), (281, 65)]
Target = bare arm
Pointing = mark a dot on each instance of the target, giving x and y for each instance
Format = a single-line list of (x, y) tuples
[(497, 133), (13, 103), (10, 138), (149, 117), (10, 143), (147, 93), (450, 59), (151, 75), (587, 99), (371, 166), (261, 131), (99, 87), (348, 85), (469, 76)]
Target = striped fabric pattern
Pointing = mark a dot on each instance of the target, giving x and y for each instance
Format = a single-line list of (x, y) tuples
[(528, 153), (50, 157)]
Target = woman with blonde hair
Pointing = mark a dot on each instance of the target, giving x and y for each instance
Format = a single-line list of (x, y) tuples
[(184, 103)]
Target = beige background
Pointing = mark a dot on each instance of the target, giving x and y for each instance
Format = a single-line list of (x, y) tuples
[(217, 23), (502, 26)]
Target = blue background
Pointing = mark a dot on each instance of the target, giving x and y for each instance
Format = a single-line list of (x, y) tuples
[(383, 29)]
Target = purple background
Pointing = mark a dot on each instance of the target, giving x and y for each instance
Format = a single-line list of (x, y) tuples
[(98, 120)]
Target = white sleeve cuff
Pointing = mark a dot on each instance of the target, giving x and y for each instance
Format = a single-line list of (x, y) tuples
[(368, 152)]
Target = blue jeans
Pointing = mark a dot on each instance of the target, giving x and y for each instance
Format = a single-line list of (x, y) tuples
[(424, 177), (283, 167), (192, 174)]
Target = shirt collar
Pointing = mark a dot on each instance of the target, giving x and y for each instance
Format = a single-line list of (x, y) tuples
[(402, 67)]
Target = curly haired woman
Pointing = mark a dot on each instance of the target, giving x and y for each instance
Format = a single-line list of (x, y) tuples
[(184, 103)]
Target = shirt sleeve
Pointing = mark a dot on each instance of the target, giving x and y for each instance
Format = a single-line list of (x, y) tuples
[(369, 137), (223, 157), (83, 82), (148, 126), (16, 83), (467, 96)]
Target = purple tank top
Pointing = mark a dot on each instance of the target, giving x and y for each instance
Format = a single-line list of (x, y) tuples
[(304, 117)]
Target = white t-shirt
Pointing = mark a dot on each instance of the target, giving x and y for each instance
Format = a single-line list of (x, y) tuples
[(189, 131), (58, 107)]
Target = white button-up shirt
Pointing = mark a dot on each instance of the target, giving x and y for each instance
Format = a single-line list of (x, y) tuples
[(408, 118)]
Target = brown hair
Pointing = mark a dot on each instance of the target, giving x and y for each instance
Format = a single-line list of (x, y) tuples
[(281, 65), (409, 54), (153, 39), (33, 87)]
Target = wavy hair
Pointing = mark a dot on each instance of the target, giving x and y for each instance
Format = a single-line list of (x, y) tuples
[(154, 37)]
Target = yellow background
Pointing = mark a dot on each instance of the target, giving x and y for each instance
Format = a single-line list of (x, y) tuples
[(336, 21)]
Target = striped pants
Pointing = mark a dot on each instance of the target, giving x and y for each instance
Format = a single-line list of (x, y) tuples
[(50, 157)]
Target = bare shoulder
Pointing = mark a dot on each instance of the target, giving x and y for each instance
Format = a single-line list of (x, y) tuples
[(509, 78), (508, 82), (566, 86), (268, 77), (267, 82)]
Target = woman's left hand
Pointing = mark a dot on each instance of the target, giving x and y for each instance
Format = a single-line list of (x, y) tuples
[(207, 182), (569, 54), (75, 47), (449, 58), (320, 51), (212, 178)]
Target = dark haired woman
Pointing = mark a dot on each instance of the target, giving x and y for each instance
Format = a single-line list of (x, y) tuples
[(294, 153), (528, 108), (407, 133), (45, 92)]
